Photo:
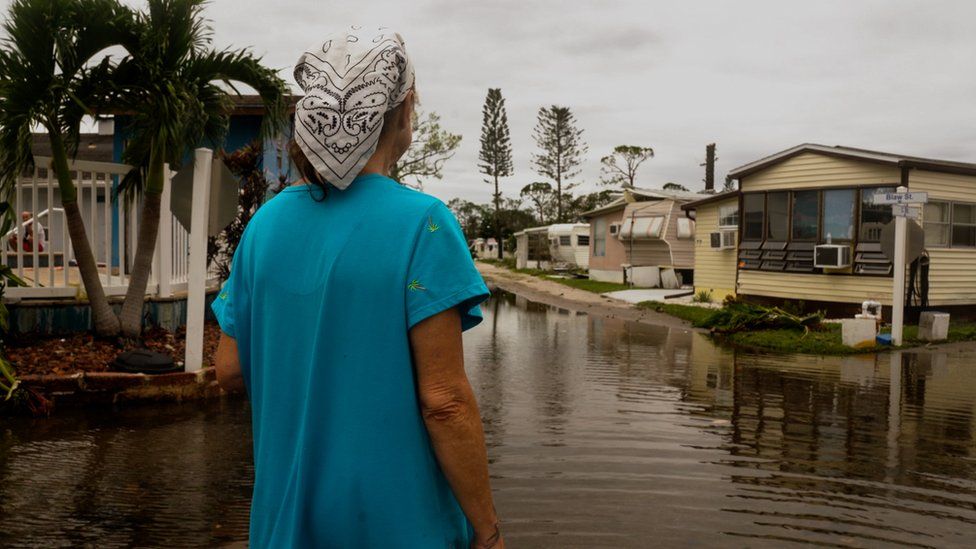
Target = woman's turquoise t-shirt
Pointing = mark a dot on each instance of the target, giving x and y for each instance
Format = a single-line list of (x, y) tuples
[(320, 299)]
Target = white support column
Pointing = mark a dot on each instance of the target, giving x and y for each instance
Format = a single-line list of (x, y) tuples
[(163, 266), (197, 275), (898, 283)]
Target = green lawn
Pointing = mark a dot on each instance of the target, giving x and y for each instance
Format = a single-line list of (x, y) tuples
[(695, 315), (579, 283)]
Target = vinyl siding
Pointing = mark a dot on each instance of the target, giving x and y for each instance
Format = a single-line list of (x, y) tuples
[(714, 269), (615, 252), (816, 287), (952, 280), (810, 170)]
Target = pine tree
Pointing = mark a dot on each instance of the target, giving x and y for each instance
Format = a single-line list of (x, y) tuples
[(562, 149), (495, 158)]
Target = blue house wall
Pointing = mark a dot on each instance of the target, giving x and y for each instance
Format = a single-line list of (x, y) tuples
[(243, 130)]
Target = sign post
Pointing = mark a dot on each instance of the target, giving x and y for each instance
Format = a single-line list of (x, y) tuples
[(903, 203), (197, 275)]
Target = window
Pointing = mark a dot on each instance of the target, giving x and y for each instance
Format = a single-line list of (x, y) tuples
[(936, 224), (564, 240), (600, 237), (728, 216), (806, 215), (873, 216), (964, 225), (686, 227), (838, 215), (583, 240), (777, 216), (753, 212)]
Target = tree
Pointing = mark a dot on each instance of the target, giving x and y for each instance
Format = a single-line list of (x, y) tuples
[(245, 163), (578, 205), (620, 167), (496, 148), (671, 186), (432, 146), (171, 82), (562, 148), (48, 78), (468, 215), (542, 196)]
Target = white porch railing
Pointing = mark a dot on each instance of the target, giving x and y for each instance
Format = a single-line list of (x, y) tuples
[(50, 269)]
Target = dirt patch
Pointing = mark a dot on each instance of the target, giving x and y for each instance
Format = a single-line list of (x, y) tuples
[(560, 295), (65, 355)]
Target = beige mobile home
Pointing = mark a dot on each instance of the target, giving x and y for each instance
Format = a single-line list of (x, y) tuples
[(640, 233), (762, 239)]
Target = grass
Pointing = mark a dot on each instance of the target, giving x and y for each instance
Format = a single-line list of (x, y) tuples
[(824, 341), (695, 315)]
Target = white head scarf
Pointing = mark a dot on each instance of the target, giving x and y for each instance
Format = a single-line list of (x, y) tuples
[(350, 82)]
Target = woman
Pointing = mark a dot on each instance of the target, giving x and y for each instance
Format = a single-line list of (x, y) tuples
[(342, 319)]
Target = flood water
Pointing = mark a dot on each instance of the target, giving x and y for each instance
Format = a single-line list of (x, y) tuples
[(601, 433)]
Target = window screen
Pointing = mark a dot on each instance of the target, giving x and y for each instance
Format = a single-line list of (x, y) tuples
[(777, 216), (873, 216), (753, 212), (728, 216), (806, 215), (564, 240), (583, 240), (838, 215), (964, 225), (936, 224), (600, 237)]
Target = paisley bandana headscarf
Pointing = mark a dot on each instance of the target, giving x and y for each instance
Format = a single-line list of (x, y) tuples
[(350, 82)]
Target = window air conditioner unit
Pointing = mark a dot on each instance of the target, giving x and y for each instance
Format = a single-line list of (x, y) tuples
[(614, 229), (722, 240), (832, 256)]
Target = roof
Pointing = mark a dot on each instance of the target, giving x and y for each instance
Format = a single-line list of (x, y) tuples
[(898, 160), (544, 228), (252, 103), (717, 197), (91, 146), (640, 195)]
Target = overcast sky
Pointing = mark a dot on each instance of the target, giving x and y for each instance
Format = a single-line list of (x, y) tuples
[(754, 77)]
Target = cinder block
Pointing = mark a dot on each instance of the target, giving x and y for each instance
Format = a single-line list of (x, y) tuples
[(933, 326), (859, 332)]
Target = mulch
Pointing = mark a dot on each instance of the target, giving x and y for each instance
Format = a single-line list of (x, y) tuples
[(64, 355)]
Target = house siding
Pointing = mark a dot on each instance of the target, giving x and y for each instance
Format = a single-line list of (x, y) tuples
[(815, 287), (714, 269), (816, 171), (951, 278)]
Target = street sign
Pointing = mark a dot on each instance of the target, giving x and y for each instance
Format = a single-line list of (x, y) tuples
[(906, 210), (914, 241), (901, 198)]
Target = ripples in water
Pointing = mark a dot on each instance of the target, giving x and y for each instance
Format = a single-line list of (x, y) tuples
[(601, 433)]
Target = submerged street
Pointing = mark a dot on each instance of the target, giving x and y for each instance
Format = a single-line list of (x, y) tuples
[(601, 433)]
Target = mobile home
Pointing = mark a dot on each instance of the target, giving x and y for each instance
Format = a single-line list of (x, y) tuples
[(766, 240), (569, 244), (641, 234)]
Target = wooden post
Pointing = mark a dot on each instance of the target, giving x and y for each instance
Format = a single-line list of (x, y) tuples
[(164, 242), (197, 275)]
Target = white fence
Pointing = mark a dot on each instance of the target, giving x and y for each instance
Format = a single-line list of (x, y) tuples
[(111, 223)]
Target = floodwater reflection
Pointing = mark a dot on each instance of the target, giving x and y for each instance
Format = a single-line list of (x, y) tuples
[(601, 433)]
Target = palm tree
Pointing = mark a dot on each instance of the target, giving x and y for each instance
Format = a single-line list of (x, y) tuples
[(46, 81), (171, 82)]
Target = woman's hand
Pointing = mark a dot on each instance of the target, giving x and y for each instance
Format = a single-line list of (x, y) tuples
[(491, 541)]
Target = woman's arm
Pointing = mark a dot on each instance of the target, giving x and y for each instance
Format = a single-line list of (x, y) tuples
[(453, 421), (228, 365)]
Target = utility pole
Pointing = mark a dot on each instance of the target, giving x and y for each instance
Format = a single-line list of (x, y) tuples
[(709, 167)]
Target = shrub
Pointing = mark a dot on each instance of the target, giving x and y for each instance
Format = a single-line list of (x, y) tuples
[(737, 316), (703, 296)]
